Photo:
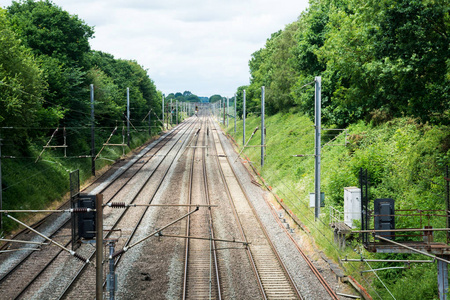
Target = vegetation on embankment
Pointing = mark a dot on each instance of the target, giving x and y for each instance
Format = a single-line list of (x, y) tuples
[(30, 185), (405, 161), (46, 69)]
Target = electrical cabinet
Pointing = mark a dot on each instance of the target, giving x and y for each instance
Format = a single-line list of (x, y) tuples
[(385, 217), (352, 205), (312, 199)]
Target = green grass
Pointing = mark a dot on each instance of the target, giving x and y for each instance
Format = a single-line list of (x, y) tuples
[(405, 161), (30, 185)]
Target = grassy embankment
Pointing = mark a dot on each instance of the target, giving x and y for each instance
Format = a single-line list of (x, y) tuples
[(405, 161), (30, 185)]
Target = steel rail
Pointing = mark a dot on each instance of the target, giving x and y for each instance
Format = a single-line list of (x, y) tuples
[(99, 179), (313, 268), (188, 219), (211, 223), (319, 276), (42, 220), (25, 288), (83, 268), (127, 243), (213, 250), (288, 275), (210, 229), (37, 224), (240, 226), (6, 275)]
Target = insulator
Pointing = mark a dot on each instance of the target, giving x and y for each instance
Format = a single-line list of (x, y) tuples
[(80, 257), (80, 210), (118, 204)]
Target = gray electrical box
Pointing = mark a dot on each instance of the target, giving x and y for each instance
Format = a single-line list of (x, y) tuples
[(312, 199), (385, 217), (352, 205)]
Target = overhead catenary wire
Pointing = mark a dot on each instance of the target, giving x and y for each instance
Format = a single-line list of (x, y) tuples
[(87, 114)]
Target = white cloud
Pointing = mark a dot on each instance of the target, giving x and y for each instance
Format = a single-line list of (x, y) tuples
[(198, 45)]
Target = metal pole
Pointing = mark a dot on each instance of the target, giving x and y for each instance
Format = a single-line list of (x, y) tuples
[(228, 111), (235, 113), (167, 117), (224, 104), (263, 128), (447, 178), (112, 275), (176, 113), (149, 123), (243, 119), (317, 97), (128, 117), (163, 111), (442, 279), (65, 142), (92, 132), (171, 113), (99, 247), (1, 190)]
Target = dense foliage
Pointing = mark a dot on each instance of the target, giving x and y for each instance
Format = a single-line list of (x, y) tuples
[(46, 69), (385, 69), (406, 162), (377, 60), (186, 96)]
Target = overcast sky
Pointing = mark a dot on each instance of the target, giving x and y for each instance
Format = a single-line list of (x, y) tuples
[(202, 46)]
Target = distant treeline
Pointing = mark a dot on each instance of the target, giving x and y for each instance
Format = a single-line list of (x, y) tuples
[(187, 96), (378, 59), (47, 66)]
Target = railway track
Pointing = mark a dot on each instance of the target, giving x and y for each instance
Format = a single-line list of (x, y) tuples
[(201, 278), (320, 280), (26, 271), (208, 271), (142, 193), (273, 279)]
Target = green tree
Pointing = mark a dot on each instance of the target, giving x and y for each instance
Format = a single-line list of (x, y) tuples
[(49, 30), (61, 43), (389, 58), (21, 82), (215, 98)]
